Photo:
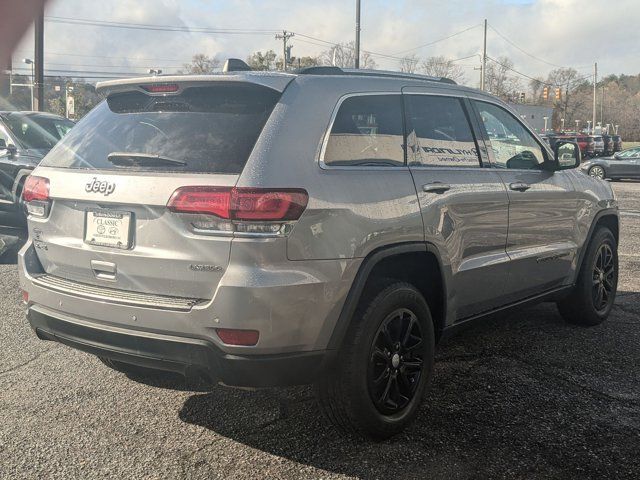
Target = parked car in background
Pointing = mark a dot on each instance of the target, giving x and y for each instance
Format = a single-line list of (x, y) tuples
[(608, 145), (550, 138), (598, 145), (25, 138), (617, 143), (625, 164), (585, 142), (326, 227), (587, 145)]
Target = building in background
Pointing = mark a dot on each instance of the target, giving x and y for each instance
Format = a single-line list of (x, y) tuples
[(534, 115)]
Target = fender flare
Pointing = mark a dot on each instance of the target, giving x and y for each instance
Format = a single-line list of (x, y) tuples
[(602, 213), (358, 284)]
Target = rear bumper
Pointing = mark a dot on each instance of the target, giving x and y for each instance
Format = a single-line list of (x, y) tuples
[(188, 356)]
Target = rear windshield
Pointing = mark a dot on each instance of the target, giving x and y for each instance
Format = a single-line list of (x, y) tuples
[(203, 130), (39, 132)]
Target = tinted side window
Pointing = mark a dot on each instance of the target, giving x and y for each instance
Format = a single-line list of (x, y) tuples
[(367, 131), (513, 146), (438, 133)]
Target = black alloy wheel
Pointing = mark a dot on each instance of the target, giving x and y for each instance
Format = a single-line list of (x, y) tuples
[(396, 362), (604, 271)]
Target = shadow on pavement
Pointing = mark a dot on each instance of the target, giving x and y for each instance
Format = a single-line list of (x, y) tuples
[(519, 396), (11, 240)]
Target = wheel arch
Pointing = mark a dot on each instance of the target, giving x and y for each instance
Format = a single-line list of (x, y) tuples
[(606, 218), (604, 169), (417, 263)]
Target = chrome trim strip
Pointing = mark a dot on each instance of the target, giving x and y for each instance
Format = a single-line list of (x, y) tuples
[(112, 295)]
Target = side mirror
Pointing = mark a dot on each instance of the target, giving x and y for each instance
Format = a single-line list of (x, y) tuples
[(567, 155)]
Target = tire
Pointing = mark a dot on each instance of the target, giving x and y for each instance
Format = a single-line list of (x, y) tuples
[(346, 394), (598, 273), (130, 369), (597, 172)]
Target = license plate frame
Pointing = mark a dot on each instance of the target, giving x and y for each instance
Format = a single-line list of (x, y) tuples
[(121, 221)]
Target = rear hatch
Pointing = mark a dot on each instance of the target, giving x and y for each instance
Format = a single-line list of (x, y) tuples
[(105, 220)]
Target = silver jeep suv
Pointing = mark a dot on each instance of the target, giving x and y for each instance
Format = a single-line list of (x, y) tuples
[(328, 227)]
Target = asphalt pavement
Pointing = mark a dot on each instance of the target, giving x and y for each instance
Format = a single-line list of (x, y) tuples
[(522, 396)]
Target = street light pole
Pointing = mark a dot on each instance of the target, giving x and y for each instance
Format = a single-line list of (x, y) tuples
[(357, 52), (28, 61), (595, 80), (562, 124), (483, 73), (545, 122), (602, 106)]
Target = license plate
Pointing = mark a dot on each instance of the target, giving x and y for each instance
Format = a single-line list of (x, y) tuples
[(108, 228)]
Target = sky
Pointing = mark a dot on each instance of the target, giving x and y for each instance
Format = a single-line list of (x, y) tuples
[(537, 35)]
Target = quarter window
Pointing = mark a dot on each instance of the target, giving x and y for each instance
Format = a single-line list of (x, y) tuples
[(367, 131), (438, 133), (513, 146)]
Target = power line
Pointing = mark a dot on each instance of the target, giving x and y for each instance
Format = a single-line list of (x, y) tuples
[(84, 72), (439, 40), (542, 82), (107, 56), (155, 27), (527, 53), (105, 66)]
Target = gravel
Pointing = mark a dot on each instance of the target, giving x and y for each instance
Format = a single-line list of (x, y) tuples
[(521, 396)]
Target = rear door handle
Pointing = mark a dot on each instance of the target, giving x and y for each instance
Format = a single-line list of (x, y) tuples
[(435, 187), (519, 186)]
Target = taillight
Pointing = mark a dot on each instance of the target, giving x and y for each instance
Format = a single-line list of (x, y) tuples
[(245, 204), (233, 336), (35, 188), (36, 196), (207, 200)]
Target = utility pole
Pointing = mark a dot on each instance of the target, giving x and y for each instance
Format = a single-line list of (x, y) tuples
[(39, 59), (595, 80), (483, 73), (285, 51), (357, 52)]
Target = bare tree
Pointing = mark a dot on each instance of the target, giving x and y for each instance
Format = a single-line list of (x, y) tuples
[(304, 62), (201, 64), (443, 67), (262, 61), (535, 86), (409, 64), (499, 80), (343, 55)]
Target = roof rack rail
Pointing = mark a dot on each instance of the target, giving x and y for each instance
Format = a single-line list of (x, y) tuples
[(331, 70)]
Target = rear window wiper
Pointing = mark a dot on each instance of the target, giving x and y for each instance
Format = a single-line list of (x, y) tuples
[(124, 159)]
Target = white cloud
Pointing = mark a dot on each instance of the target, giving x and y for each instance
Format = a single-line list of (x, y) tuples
[(565, 32)]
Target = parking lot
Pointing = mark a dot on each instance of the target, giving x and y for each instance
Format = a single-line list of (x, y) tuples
[(523, 396)]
